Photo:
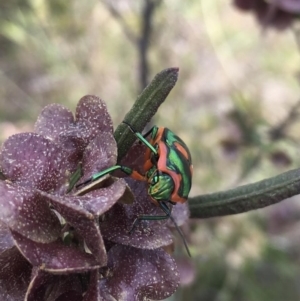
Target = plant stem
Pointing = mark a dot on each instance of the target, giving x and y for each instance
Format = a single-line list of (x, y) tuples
[(247, 197), (144, 108)]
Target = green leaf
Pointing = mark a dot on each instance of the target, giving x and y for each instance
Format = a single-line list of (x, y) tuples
[(145, 108)]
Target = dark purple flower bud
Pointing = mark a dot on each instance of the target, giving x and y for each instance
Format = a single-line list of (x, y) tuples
[(279, 14), (59, 243), (145, 274)]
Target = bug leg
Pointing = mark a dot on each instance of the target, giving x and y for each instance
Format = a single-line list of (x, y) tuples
[(142, 138), (163, 206), (98, 175), (147, 218), (130, 172), (167, 210), (148, 133), (134, 131)]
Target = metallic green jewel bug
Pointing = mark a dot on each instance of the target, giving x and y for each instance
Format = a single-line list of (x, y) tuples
[(168, 171)]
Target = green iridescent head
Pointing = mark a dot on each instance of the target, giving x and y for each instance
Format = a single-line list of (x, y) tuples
[(161, 186)]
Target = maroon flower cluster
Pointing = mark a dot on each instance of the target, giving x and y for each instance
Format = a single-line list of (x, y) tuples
[(60, 245), (279, 14)]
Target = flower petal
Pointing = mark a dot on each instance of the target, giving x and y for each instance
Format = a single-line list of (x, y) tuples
[(180, 213), (82, 212), (57, 123), (33, 161), (135, 158), (93, 292), (54, 287), (145, 274), (53, 121), (291, 6), (27, 213), (69, 295), (15, 273), (73, 148), (147, 234), (6, 240), (99, 201), (279, 15), (93, 110), (55, 257), (100, 154)]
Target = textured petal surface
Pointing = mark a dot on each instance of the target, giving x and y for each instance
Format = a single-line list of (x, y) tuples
[(6, 240), (33, 161), (100, 154), (15, 273), (57, 123), (37, 167), (84, 223), (69, 295), (147, 234), (53, 121), (27, 213), (93, 292), (82, 212), (92, 109), (144, 274), (55, 257), (180, 213), (45, 286), (99, 201), (73, 148), (135, 158), (91, 118)]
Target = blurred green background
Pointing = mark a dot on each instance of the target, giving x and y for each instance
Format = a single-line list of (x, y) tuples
[(235, 104)]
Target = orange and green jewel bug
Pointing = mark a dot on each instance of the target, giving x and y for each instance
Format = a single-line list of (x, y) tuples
[(168, 171)]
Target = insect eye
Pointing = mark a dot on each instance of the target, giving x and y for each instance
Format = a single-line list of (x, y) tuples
[(154, 180)]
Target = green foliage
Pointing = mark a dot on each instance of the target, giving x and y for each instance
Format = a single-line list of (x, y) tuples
[(271, 278)]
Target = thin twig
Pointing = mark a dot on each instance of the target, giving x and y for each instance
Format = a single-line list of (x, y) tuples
[(277, 132), (126, 29)]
